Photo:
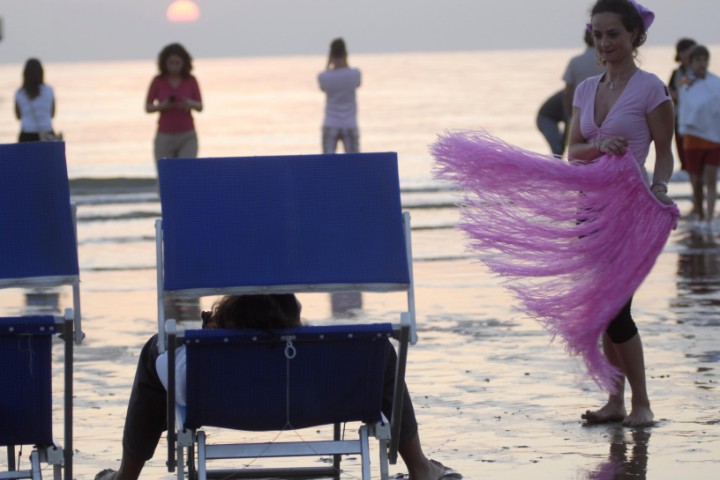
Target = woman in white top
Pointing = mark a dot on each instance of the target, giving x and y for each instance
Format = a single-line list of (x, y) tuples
[(339, 82), (34, 103)]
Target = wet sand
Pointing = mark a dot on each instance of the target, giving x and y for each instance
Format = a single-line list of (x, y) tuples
[(494, 397)]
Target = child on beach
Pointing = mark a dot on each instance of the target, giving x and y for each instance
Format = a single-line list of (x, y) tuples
[(699, 124), (146, 415)]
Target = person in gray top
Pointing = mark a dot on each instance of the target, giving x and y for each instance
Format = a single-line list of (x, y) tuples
[(579, 68)]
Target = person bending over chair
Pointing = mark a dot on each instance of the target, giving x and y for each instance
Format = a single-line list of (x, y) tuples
[(146, 415)]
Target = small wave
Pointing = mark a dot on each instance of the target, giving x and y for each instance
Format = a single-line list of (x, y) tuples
[(134, 215)]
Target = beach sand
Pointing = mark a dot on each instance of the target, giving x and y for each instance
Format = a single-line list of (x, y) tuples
[(495, 398)]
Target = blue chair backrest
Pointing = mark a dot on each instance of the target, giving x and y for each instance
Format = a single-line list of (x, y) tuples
[(26, 380), (37, 238), (336, 375), (301, 222)]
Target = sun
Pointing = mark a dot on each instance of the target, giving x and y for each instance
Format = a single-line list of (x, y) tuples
[(182, 11)]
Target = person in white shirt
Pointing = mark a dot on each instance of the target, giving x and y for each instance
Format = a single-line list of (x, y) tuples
[(339, 82), (34, 103)]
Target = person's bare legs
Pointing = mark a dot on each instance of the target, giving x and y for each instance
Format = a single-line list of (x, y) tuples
[(419, 466), (696, 182), (632, 357), (614, 409), (710, 190)]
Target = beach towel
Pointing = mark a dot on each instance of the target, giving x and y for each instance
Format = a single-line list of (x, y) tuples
[(573, 241)]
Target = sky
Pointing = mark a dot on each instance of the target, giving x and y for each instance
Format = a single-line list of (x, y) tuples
[(91, 30)]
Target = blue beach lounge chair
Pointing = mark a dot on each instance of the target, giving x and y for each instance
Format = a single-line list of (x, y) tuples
[(311, 223), (38, 249)]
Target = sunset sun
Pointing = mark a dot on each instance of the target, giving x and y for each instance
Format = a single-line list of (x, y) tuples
[(183, 11)]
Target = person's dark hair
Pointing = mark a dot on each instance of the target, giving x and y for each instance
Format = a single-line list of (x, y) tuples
[(179, 50), (261, 312), (33, 77), (589, 41), (337, 48), (631, 19), (682, 45), (699, 51)]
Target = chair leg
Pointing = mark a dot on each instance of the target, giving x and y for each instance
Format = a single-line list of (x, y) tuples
[(365, 453), (384, 470), (180, 450), (202, 460), (11, 458), (192, 471), (336, 458), (35, 465)]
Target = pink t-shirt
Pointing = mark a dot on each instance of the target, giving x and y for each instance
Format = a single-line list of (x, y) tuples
[(628, 117), (174, 120)]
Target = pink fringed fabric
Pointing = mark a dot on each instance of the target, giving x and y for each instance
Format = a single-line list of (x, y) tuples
[(574, 241)]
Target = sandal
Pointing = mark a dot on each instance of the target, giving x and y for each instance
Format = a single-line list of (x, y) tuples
[(448, 473)]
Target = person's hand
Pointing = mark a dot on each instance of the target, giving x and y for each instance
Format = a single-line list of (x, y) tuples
[(165, 105), (661, 195), (611, 146)]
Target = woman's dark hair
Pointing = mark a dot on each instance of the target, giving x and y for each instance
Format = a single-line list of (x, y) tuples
[(629, 16), (699, 51), (682, 45), (261, 312), (179, 50), (337, 48), (33, 77)]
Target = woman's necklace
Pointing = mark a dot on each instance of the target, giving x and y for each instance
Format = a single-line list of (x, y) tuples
[(613, 83)]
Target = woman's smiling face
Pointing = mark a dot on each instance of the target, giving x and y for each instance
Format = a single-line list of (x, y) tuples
[(613, 42)]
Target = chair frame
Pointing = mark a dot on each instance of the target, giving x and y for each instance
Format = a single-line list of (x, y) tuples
[(54, 455), (70, 323), (184, 441), (181, 444)]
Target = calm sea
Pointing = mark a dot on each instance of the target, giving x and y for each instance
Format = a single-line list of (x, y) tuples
[(494, 398), (270, 106)]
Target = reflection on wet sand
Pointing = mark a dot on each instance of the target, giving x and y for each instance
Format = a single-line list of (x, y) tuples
[(628, 456), (698, 280)]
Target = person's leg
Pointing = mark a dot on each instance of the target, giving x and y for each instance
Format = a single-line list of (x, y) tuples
[(693, 162), (329, 139), (710, 178), (633, 359), (614, 409), (621, 329), (146, 416), (187, 145), (351, 140), (550, 129), (410, 449)]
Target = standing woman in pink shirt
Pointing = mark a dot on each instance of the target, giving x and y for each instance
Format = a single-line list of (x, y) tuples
[(175, 93), (626, 109)]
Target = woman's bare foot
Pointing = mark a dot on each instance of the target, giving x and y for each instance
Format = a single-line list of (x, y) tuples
[(640, 416), (609, 413)]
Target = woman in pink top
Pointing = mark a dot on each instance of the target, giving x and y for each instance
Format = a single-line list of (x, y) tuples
[(175, 94), (625, 109)]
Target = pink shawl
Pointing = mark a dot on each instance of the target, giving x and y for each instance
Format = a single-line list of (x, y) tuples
[(573, 241)]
